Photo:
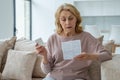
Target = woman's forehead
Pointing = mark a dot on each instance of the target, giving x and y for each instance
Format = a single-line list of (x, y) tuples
[(66, 13)]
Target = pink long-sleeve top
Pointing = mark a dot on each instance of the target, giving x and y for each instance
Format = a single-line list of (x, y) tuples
[(61, 69)]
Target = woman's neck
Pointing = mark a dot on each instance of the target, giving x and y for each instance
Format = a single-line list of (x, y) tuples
[(68, 34)]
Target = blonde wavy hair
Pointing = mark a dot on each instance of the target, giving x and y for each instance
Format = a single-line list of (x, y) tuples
[(74, 11)]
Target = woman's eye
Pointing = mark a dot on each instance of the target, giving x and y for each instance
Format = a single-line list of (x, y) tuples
[(70, 18), (63, 19)]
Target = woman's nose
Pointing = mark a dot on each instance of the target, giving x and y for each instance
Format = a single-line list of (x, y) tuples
[(67, 21)]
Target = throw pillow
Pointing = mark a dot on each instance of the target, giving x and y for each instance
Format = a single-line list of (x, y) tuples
[(4, 47), (37, 72), (24, 44), (109, 45), (19, 65), (28, 45)]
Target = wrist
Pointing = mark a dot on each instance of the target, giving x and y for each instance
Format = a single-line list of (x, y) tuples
[(44, 59)]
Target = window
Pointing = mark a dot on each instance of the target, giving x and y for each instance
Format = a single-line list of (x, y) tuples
[(23, 18)]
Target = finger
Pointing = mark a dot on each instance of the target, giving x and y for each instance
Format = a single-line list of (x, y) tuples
[(83, 53), (36, 44), (39, 47)]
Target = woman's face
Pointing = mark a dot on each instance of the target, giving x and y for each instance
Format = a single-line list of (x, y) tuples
[(67, 21)]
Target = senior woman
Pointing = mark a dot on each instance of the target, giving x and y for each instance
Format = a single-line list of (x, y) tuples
[(68, 20)]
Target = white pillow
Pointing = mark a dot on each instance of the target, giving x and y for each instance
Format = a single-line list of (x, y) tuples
[(19, 65), (93, 30), (28, 45), (37, 71), (109, 45), (25, 44)]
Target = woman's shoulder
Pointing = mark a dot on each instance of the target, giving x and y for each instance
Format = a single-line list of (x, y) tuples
[(84, 33), (87, 35), (53, 36)]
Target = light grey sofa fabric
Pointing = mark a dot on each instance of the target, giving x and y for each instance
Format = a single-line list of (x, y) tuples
[(95, 71), (110, 70)]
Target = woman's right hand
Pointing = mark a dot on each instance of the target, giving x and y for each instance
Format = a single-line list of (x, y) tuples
[(41, 50)]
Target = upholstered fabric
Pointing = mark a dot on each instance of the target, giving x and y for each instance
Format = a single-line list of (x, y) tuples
[(25, 45), (4, 47), (109, 45), (110, 70), (28, 45), (37, 72), (19, 65), (93, 29), (95, 71)]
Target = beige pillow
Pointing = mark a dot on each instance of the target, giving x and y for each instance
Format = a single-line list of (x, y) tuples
[(28, 45), (37, 72), (24, 44), (109, 45), (19, 65), (4, 47)]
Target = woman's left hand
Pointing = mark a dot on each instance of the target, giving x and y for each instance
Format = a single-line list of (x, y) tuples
[(86, 56)]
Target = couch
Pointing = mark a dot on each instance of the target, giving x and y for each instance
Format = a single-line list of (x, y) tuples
[(110, 70), (19, 61)]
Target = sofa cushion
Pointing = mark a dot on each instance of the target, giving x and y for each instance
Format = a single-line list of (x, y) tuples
[(28, 45), (24, 44), (37, 72), (4, 47), (19, 65)]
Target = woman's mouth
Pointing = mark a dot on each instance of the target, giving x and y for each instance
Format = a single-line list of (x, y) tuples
[(68, 27)]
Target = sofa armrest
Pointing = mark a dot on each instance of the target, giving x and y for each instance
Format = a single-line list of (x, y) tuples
[(94, 71), (110, 70)]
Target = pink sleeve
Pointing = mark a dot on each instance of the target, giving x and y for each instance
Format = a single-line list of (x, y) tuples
[(47, 67), (94, 46)]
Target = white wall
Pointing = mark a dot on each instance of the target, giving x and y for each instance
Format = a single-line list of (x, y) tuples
[(103, 14), (6, 19), (43, 16), (43, 20)]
